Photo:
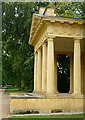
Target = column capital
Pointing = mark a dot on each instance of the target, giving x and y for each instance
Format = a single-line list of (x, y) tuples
[(43, 43), (50, 39), (77, 40), (39, 49), (35, 52)]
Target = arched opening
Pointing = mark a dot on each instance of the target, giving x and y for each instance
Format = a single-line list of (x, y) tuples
[(63, 73)]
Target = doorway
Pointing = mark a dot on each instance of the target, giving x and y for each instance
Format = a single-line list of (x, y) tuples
[(63, 67)]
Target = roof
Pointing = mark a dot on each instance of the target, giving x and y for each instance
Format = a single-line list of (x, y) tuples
[(59, 16), (38, 19)]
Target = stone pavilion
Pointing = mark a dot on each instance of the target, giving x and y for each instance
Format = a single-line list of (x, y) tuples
[(52, 35)]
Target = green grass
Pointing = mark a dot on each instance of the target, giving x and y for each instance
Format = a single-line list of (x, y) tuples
[(52, 116), (12, 89), (8, 92)]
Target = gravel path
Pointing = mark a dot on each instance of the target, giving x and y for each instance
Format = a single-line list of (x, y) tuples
[(4, 104)]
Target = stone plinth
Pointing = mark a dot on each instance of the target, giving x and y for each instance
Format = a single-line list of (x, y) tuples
[(62, 103)]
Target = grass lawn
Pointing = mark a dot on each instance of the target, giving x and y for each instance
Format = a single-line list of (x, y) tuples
[(52, 116), (12, 89)]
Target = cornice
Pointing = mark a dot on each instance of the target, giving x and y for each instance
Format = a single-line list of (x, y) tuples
[(39, 21)]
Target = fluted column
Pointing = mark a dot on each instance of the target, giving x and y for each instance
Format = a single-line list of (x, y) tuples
[(71, 74), (50, 67), (39, 72), (44, 68), (35, 73), (77, 67)]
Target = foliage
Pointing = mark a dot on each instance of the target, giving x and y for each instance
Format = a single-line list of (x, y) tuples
[(69, 9), (16, 51), (63, 73), (17, 55)]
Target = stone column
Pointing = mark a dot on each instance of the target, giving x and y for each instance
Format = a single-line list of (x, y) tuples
[(77, 67), (56, 75), (35, 73), (44, 68), (71, 74), (50, 68), (39, 72)]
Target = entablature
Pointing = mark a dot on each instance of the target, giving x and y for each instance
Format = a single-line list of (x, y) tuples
[(56, 26)]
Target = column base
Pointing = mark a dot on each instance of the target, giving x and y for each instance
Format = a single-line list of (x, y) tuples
[(37, 92), (51, 95), (57, 93), (34, 91), (40, 93), (43, 93), (71, 92), (77, 95)]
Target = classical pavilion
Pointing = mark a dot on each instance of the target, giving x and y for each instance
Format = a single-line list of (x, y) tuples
[(52, 35)]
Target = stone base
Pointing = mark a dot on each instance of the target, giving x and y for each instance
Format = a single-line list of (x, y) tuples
[(42, 104), (78, 95)]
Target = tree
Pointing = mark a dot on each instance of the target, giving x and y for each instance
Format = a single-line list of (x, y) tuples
[(15, 33), (17, 55)]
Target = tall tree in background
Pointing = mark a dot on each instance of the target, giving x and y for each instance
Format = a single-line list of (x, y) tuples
[(16, 51), (17, 55)]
